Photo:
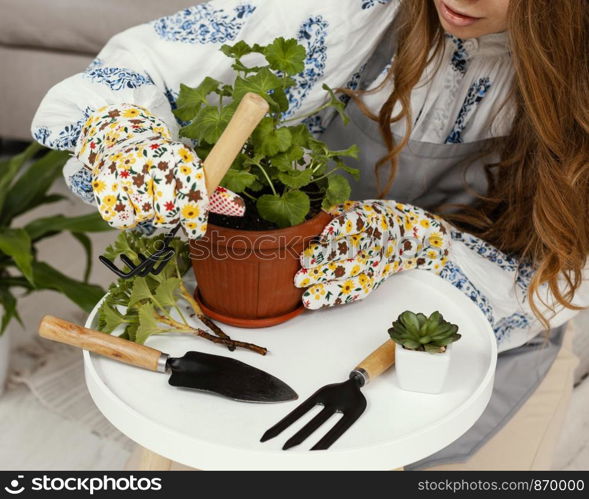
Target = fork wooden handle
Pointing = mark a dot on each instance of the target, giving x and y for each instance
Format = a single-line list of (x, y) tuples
[(377, 362)]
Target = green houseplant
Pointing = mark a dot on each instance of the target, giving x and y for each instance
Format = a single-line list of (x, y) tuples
[(284, 173), (24, 186), (422, 350)]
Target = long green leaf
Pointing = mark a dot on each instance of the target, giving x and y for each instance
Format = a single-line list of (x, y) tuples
[(42, 227), (8, 302), (84, 240), (84, 295), (16, 243), (30, 189), (9, 170)]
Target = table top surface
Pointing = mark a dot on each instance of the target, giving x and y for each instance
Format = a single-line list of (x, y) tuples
[(205, 431)]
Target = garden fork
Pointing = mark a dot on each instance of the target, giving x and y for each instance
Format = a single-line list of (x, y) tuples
[(345, 398)]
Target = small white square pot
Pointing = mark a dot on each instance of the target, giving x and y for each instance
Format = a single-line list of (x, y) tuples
[(421, 371)]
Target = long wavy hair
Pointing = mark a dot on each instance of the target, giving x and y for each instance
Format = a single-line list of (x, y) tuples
[(537, 204)]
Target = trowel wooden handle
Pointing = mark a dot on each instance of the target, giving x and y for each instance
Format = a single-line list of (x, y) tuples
[(378, 361), (248, 115), (107, 345)]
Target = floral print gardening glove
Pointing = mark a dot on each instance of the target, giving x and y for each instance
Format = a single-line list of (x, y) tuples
[(364, 244), (140, 174)]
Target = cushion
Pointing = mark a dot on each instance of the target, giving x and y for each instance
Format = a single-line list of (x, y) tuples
[(81, 26)]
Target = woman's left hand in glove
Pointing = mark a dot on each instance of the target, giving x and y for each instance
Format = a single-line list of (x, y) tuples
[(364, 244)]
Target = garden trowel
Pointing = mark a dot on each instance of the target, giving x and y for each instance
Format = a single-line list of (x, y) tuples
[(200, 371)]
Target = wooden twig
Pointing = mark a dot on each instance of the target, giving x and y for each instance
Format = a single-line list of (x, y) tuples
[(232, 344), (202, 317)]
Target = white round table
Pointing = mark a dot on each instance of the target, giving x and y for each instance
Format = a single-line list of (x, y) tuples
[(207, 432)]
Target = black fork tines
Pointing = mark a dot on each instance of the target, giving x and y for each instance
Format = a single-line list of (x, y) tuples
[(345, 398), (151, 264)]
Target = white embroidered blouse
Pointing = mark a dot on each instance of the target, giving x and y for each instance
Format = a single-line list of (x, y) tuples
[(459, 100)]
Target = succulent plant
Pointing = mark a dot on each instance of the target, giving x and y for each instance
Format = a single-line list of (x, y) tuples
[(418, 332)]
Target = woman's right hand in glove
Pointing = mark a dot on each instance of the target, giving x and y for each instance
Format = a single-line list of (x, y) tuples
[(140, 174)]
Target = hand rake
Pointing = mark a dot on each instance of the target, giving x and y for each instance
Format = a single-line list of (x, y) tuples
[(345, 398)]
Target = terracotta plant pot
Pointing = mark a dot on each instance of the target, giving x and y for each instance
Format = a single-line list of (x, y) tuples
[(245, 278)]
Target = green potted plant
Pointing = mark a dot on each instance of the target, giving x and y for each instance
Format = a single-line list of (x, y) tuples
[(24, 186), (423, 347), (245, 266)]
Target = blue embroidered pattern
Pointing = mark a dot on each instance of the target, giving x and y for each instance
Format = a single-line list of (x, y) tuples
[(353, 83), (312, 36), (487, 251), (115, 78), (203, 24), (315, 125), (67, 138), (476, 93), (81, 185), (509, 263), (455, 276), (502, 327), (368, 4), (505, 326), (460, 58)]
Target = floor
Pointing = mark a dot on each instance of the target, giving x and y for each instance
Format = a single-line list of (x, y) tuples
[(34, 436)]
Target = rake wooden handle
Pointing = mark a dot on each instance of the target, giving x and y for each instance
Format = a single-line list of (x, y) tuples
[(107, 345), (377, 362), (249, 113)]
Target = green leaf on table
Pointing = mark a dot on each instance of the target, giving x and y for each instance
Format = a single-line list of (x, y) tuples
[(297, 178), (190, 100), (148, 324), (30, 188), (84, 295), (238, 180), (109, 318), (16, 243), (91, 222), (287, 56), (268, 140), (140, 291), (165, 294), (289, 209), (338, 191)]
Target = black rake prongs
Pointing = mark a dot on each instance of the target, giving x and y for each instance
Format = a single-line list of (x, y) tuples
[(152, 264), (345, 398)]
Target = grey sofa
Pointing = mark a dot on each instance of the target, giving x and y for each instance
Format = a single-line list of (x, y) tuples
[(42, 42)]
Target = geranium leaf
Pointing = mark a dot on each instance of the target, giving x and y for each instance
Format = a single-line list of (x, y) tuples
[(287, 56), (338, 191), (289, 209), (238, 180), (140, 291)]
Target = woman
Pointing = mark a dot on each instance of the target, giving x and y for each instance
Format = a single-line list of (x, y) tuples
[(475, 110)]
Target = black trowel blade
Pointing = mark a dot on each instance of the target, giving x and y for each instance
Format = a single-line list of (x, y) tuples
[(227, 377)]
